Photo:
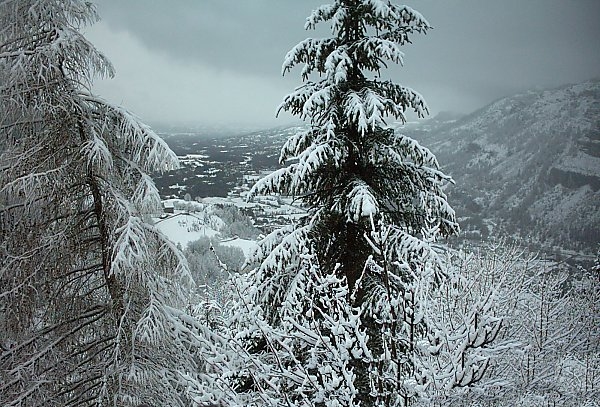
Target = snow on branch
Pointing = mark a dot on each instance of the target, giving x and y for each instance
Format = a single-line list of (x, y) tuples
[(146, 148), (283, 253), (295, 101), (415, 151), (318, 101), (337, 65), (373, 51), (166, 251), (412, 18), (354, 109), (401, 97), (321, 13), (361, 202), (33, 185), (151, 325), (276, 182), (295, 144), (369, 107), (268, 244), (312, 160), (310, 52), (97, 154), (146, 197), (130, 246), (42, 54)]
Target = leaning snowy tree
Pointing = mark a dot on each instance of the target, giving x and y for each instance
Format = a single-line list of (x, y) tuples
[(375, 205), (89, 292)]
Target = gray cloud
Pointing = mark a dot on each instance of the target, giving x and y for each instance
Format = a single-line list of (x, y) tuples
[(251, 36), (478, 51)]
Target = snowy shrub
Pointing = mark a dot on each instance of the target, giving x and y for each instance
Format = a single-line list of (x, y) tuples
[(203, 263), (237, 224)]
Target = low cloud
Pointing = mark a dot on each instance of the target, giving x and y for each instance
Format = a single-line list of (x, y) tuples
[(159, 88)]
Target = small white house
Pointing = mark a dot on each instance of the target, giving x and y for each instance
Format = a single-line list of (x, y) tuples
[(168, 207)]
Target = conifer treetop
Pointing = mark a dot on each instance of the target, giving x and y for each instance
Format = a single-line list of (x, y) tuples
[(366, 36)]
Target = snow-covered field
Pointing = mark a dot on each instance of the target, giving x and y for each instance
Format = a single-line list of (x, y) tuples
[(185, 226), (247, 246), (194, 220)]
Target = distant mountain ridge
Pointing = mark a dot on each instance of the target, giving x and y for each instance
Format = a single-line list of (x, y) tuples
[(528, 163)]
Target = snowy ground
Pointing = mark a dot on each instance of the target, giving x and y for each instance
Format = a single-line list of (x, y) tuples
[(247, 246), (183, 227), (198, 220)]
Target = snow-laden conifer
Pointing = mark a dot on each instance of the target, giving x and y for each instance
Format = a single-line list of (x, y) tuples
[(90, 293), (375, 202), (349, 165)]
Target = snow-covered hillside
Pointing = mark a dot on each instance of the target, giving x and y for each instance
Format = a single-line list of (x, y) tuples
[(191, 221), (184, 222), (530, 163)]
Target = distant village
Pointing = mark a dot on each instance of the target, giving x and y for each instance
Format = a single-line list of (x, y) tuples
[(266, 212)]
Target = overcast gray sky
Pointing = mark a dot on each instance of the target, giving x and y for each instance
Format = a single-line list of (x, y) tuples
[(219, 61)]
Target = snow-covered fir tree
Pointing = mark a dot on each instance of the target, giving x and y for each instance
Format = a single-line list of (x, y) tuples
[(89, 292), (375, 208)]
